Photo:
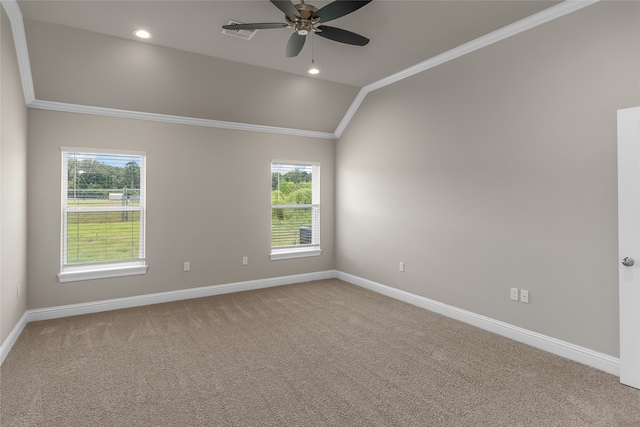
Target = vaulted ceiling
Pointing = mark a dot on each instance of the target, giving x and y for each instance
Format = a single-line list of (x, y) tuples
[(84, 53), (402, 33)]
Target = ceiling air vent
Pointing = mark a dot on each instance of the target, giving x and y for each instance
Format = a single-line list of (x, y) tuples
[(243, 34)]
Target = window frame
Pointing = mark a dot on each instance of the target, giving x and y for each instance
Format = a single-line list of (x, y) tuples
[(100, 270), (308, 250)]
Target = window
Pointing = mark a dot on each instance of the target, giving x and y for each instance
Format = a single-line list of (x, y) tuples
[(295, 209), (103, 214)]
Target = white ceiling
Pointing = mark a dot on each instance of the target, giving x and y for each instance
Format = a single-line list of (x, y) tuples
[(402, 33)]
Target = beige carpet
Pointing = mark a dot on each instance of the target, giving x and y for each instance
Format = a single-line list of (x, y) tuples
[(316, 354)]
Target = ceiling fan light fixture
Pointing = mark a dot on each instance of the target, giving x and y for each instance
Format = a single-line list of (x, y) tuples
[(143, 34)]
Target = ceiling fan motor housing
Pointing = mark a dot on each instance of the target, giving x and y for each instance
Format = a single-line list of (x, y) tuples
[(303, 25)]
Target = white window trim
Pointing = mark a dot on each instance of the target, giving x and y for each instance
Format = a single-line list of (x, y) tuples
[(305, 251), (102, 272), (296, 252), (74, 273)]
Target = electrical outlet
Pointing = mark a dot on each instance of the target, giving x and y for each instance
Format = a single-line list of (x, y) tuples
[(187, 266), (245, 260), (524, 296), (401, 266), (514, 294)]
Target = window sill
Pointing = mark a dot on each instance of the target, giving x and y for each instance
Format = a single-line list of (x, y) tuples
[(290, 253), (101, 273)]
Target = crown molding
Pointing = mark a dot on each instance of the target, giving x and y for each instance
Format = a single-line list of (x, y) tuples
[(542, 17), (17, 26), (20, 40), (351, 112), (166, 118)]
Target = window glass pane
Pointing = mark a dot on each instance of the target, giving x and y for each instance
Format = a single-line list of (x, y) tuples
[(291, 184), (94, 237), (291, 227), (103, 180)]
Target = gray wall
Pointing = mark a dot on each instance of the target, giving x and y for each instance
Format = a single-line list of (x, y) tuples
[(498, 169), (13, 183), (87, 68), (208, 197)]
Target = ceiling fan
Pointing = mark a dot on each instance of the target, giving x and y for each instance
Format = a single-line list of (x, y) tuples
[(305, 18)]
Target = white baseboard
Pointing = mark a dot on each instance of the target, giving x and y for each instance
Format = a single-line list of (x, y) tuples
[(555, 346), (162, 297), (158, 298), (7, 345), (567, 350)]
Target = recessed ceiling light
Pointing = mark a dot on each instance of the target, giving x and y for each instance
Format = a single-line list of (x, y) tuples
[(313, 69), (143, 34)]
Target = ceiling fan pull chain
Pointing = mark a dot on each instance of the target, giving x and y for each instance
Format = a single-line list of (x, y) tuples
[(313, 70)]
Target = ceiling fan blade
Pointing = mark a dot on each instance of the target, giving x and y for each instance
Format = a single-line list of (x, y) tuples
[(342, 36), (287, 7), (256, 26), (338, 9), (295, 44)]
